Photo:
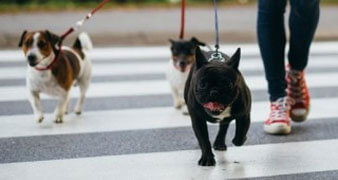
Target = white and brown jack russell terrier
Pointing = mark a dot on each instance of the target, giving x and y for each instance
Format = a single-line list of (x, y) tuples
[(182, 58), (55, 76)]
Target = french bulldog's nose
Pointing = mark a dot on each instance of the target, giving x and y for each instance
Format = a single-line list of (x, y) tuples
[(214, 93)]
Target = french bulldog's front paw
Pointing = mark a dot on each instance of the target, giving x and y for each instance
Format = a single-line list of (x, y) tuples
[(220, 146), (239, 141), (59, 120), (207, 160)]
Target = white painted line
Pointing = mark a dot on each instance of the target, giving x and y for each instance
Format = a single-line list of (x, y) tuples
[(252, 161), (133, 119), (138, 68), (132, 88), (155, 87), (163, 51)]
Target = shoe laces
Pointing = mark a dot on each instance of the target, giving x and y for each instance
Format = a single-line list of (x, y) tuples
[(297, 86), (280, 108)]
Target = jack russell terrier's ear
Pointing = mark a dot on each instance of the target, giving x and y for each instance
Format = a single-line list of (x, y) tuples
[(171, 41), (53, 38), (197, 42), (22, 38)]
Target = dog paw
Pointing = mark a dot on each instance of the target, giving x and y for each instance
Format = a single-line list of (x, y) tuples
[(220, 146), (39, 119), (59, 120), (78, 112), (239, 141), (185, 110), (179, 104), (208, 160)]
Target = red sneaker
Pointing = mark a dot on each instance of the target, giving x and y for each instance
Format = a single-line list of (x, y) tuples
[(278, 121), (299, 95)]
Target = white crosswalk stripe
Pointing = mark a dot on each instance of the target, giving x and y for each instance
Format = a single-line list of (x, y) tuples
[(138, 68), (149, 87), (119, 120), (131, 53), (258, 159), (242, 162)]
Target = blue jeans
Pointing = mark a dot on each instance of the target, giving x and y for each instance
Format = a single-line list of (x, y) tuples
[(303, 22)]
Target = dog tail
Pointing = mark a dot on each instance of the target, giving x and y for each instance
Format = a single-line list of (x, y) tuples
[(83, 42)]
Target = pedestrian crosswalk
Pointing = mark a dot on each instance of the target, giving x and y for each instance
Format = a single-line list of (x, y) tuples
[(129, 130), (150, 87), (169, 165), (120, 120)]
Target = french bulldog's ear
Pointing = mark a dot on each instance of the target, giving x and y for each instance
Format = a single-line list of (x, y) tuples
[(22, 38), (197, 42), (234, 60), (200, 58), (53, 38)]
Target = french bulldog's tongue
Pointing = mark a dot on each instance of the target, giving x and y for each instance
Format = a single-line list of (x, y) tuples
[(213, 106)]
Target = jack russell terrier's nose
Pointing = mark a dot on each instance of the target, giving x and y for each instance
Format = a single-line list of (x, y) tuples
[(182, 63), (32, 59)]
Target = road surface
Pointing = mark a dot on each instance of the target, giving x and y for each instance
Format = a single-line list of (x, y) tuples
[(151, 26), (129, 129)]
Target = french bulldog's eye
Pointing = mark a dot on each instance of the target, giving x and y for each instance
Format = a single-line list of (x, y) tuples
[(203, 85), (230, 85), (41, 44)]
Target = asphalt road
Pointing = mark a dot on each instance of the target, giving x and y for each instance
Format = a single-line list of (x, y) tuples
[(129, 129), (149, 26)]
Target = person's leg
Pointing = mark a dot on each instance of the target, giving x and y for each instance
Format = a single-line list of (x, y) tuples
[(271, 40), (303, 22)]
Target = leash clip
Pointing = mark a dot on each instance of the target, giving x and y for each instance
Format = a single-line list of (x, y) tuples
[(216, 57)]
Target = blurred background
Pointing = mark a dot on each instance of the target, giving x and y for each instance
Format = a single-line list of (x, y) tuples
[(144, 22)]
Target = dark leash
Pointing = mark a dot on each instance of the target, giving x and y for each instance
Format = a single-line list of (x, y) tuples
[(216, 56), (69, 31), (182, 19)]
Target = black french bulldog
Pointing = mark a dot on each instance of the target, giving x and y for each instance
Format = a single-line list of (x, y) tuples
[(215, 91)]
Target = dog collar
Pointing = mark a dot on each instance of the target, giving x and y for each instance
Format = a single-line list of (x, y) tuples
[(217, 56), (51, 64)]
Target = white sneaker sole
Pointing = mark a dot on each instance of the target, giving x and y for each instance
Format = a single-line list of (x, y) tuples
[(299, 115), (277, 128)]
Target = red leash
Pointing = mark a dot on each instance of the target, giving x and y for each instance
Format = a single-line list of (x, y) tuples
[(182, 19), (68, 32)]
